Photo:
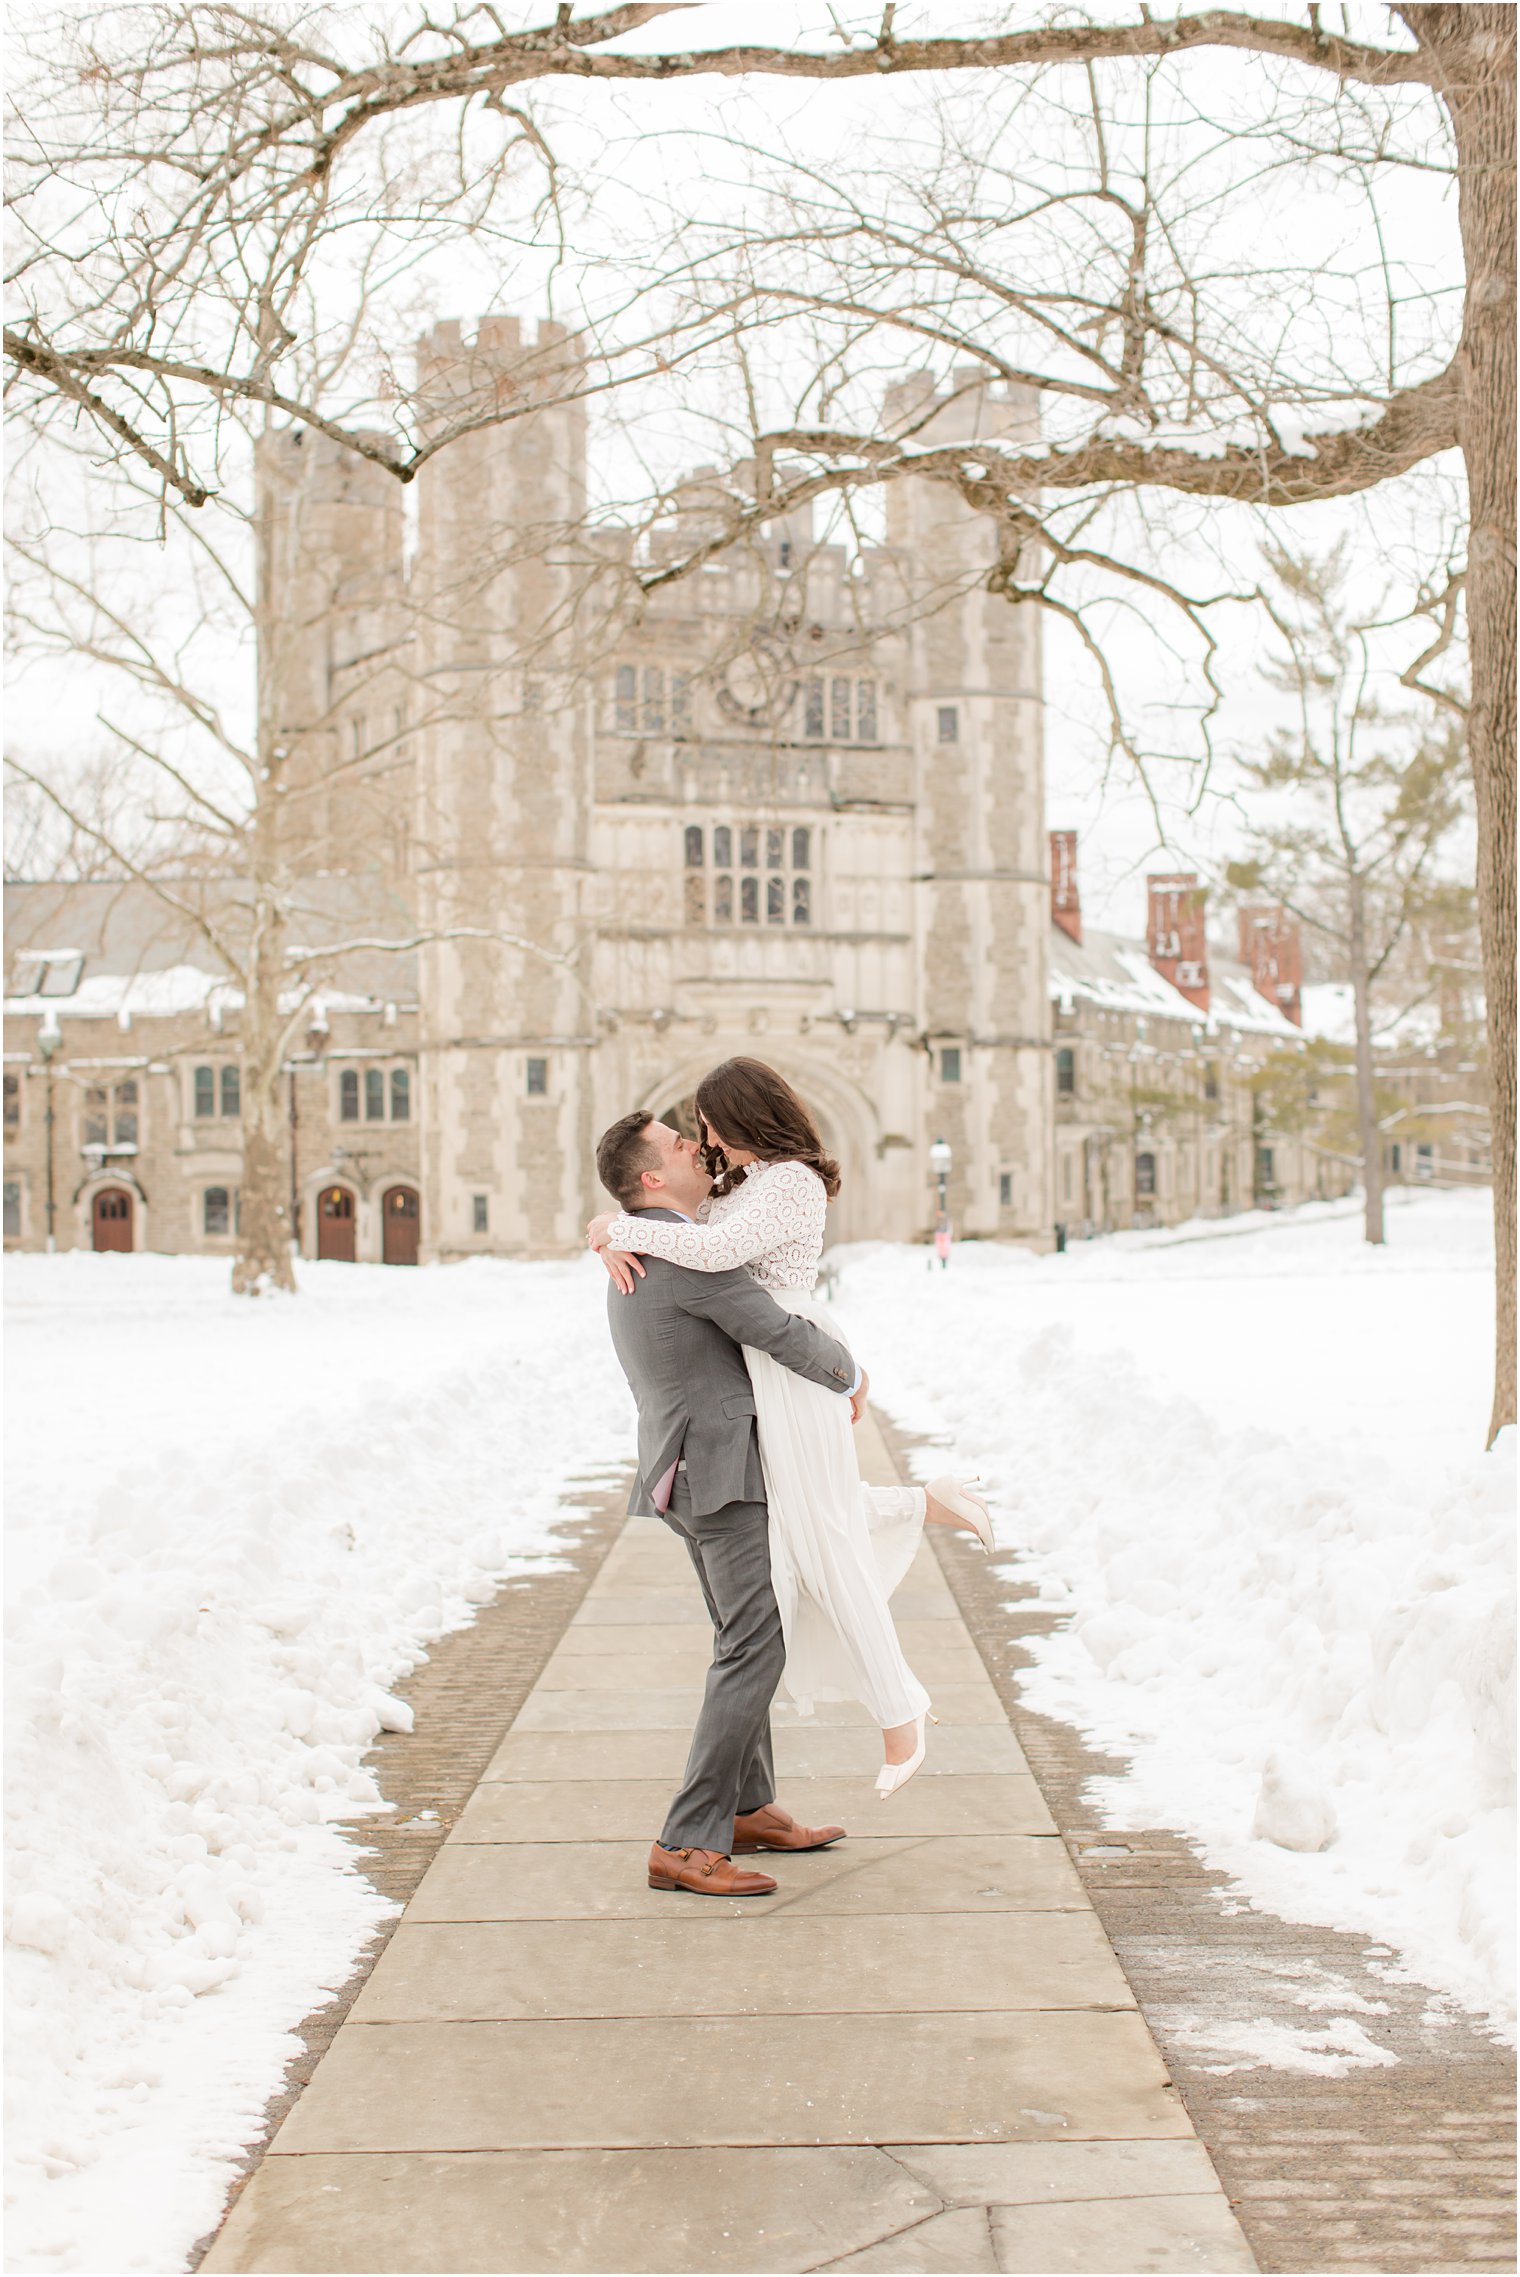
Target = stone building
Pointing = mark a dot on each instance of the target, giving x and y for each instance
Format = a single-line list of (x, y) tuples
[(1159, 1044), (791, 805)]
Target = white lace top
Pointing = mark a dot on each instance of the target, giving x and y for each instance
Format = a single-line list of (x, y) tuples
[(772, 1222)]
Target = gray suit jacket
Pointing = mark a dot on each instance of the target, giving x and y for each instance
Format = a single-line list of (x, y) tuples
[(677, 1338)]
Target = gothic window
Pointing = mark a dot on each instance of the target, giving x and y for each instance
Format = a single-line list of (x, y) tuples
[(654, 701), (749, 849), (348, 1095), (723, 847), (538, 1079), (802, 898), (723, 901), (801, 847), (749, 901), (949, 724), (627, 701), (950, 1064), (205, 1091), (13, 1102), (401, 1095), (1005, 1189), (1066, 1073), (839, 711), (232, 1091), (374, 1095), (812, 711), (775, 901), (12, 1210), (865, 711), (1145, 1174), (680, 705), (480, 1213), (1211, 1082), (696, 901), (694, 848), (96, 1126), (774, 841), (216, 1211), (124, 1114)]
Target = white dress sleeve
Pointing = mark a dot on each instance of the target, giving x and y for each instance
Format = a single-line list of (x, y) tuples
[(781, 1205)]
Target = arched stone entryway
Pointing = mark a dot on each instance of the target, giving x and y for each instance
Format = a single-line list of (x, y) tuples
[(847, 1124)]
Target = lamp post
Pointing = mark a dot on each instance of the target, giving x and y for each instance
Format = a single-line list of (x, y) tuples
[(939, 1161)]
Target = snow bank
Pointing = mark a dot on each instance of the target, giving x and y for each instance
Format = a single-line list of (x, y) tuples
[(235, 1527), (1290, 1593)]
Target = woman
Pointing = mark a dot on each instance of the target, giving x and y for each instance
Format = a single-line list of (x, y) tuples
[(838, 1548)]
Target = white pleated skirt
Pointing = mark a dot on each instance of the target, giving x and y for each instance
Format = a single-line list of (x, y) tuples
[(838, 1547)]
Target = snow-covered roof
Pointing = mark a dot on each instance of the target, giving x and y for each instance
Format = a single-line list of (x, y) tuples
[(165, 995), (98, 950), (1116, 974)]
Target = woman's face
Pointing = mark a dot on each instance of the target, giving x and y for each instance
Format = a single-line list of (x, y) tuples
[(735, 1153)]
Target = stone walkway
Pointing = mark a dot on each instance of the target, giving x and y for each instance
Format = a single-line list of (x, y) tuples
[(920, 2054)]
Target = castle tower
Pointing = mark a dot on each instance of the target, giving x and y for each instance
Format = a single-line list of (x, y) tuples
[(975, 704), (502, 845), (333, 652)]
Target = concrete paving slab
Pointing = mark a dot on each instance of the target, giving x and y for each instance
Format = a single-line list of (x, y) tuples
[(1130, 2237), (696, 2081), (586, 1638), (591, 1810), (565, 2210), (672, 1710), (683, 1667), (1033, 2174), (675, 1605), (956, 2242), (606, 1881), (775, 1964), (819, 1752)]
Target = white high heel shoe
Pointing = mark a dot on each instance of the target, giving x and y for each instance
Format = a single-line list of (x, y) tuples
[(967, 1505), (891, 1776)]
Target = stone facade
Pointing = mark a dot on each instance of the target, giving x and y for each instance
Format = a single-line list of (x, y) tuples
[(791, 805)]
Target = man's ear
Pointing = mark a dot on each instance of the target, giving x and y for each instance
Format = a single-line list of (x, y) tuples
[(650, 1178)]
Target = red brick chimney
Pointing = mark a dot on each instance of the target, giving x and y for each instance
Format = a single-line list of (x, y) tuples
[(1065, 901), (1175, 937), (1272, 945)]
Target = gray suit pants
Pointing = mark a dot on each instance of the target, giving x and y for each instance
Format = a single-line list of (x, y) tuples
[(729, 1768)]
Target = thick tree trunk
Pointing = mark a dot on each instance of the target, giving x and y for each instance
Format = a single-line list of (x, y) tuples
[(264, 1245), (1483, 107), (1475, 48), (1369, 1137)]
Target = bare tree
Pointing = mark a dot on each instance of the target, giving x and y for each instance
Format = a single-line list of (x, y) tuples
[(219, 782), (1155, 380), (1353, 808)]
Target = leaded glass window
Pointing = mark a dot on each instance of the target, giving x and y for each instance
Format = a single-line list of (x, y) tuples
[(374, 1095), (401, 1095), (348, 1095)]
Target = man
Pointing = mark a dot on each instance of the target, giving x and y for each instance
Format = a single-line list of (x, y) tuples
[(677, 1338)]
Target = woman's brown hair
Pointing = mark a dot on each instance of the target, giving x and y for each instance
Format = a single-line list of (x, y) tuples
[(757, 1109)]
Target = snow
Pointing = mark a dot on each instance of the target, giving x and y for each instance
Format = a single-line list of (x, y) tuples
[(168, 994), (232, 1527), (1244, 1462), (1240, 1457)]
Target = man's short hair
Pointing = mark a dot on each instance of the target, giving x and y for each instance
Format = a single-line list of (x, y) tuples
[(623, 1153)]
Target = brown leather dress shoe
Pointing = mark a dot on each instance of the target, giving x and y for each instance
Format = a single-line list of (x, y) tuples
[(706, 1873), (772, 1828)]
